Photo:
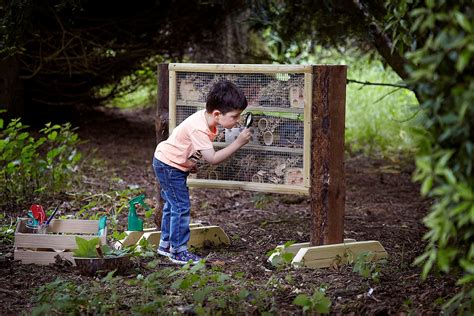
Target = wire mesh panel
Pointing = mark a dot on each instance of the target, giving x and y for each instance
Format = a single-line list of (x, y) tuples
[(274, 160)]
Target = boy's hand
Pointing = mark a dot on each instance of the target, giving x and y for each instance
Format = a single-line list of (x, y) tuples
[(244, 137), (214, 158)]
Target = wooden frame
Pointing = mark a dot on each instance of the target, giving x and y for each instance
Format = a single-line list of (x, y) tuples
[(323, 144), (59, 239), (306, 70)]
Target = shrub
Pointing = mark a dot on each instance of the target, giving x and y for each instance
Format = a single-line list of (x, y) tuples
[(437, 37), (32, 167)]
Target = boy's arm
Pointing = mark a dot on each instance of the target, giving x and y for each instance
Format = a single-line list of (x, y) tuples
[(215, 157)]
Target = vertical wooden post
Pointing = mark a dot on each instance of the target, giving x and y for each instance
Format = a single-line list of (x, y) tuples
[(161, 124), (327, 190)]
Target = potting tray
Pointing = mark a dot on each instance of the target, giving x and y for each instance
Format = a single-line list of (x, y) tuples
[(41, 247)]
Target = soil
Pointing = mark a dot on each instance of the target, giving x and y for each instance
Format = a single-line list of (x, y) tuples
[(382, 203)]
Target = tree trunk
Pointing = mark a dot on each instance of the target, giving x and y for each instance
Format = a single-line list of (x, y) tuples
[(161, 125), (11, 88)]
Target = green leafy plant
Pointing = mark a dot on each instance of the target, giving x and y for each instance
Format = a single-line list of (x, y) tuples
[(7, 232), (88, 249), (261, 200), (32, 167), (318, 302), (212, 291), (65, 297), (436, 39), (367, 267), (280, 257)]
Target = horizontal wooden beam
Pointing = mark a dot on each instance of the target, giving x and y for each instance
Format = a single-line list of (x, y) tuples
[(240, 68), (250, 186)]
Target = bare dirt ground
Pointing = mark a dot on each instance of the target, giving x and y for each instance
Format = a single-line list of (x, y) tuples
[(381, 204)]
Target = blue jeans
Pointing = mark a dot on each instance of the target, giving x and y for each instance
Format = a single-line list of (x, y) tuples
[(176, 210)]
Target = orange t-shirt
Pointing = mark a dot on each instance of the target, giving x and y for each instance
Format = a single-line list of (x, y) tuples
[(182, 149)]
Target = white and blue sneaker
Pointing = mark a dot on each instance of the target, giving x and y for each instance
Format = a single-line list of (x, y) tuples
[(184, 257), (164, 251)]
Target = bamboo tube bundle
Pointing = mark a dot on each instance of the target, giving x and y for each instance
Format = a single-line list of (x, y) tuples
[(270, 138), (263, 124), (267, 127), (268, 124)]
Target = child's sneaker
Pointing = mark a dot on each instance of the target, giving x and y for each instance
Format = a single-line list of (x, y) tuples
[(184, 257), (164, 251)]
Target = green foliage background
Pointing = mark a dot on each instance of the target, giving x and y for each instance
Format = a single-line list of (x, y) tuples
[(32, 167), (437, 37)]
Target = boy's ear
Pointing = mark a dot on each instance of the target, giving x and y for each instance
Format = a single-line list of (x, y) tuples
[(216, 113)]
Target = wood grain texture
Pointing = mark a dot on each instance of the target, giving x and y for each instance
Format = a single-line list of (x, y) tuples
[(161, 126), (327, 191)]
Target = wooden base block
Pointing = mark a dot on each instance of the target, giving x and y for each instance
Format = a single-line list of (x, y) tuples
[(200, 236), (294, 248), (337, 254), (134, 236)]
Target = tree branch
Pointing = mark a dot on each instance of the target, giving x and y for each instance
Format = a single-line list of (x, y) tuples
[(382, 43), (367, 83)]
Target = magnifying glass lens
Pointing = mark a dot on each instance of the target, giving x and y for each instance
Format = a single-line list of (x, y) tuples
[(248, 120)]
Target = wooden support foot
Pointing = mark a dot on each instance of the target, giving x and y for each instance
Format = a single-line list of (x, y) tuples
[(337, 254), (200, 236), (294, 248), (134, 236)]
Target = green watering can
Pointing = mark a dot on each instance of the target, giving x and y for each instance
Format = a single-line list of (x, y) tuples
[(134, 222)]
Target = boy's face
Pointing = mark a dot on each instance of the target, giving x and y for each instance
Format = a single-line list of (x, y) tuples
[(228, 120)]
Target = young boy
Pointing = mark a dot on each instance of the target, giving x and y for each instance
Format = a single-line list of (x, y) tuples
[(175, 157)]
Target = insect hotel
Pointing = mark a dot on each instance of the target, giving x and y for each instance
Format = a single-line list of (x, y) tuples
[(297, 145)]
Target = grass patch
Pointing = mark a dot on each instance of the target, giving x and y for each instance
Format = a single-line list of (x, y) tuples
[(378, 118)]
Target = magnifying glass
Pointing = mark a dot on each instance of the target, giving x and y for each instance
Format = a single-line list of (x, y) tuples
[(248, 120)]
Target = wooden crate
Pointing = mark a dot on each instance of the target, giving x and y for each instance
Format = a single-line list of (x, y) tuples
[(59, 239)]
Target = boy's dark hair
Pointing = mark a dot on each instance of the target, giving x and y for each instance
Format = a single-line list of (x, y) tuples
[(225, 96)]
